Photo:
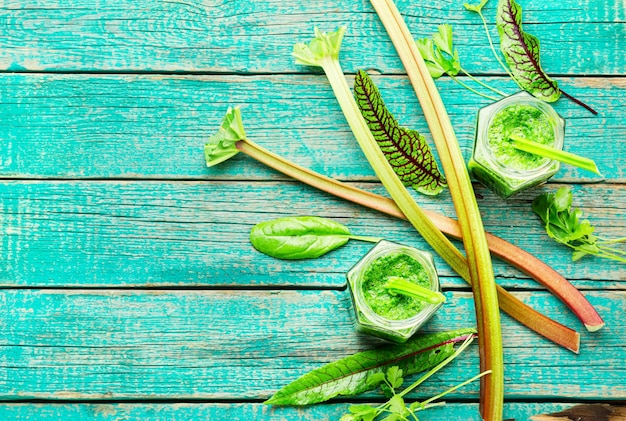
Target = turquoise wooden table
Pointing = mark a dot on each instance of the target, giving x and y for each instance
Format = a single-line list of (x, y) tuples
[(129, 289)]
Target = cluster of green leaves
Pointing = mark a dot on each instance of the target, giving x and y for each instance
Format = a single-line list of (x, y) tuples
[(394, 409), (439, 54), (442, 58), (564, 225)]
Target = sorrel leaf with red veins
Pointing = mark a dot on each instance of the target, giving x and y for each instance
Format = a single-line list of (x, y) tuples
[(406, 150), (521, 52), (349, 376)]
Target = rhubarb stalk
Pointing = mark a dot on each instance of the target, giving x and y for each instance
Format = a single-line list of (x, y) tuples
[(474, 240)]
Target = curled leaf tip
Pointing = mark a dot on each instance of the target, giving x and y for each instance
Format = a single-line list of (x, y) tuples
[(221, 145), (323, 45)]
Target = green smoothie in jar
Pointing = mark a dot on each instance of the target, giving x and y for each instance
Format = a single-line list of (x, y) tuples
[(496, 163), (385, 314)]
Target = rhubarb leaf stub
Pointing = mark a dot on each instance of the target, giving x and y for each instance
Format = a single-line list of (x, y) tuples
[(323, 45), (221, 145)]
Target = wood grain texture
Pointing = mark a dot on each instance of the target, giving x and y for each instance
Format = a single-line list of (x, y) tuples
[(130, 126), (155, 306), (137, 233), (224, 345), (241, 412), (257, 37)]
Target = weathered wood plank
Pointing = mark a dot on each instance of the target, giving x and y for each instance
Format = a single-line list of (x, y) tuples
[(244, 36), (128, 344), (55, 233), (75, 126), (242, 412)]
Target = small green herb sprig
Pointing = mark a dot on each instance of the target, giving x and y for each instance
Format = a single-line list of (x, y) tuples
[(563, 224), (442, 58), (396, 409)]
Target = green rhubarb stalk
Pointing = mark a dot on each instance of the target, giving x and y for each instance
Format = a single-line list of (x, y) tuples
[(323, 51), (474, 240), (399, 285), (549, 152)]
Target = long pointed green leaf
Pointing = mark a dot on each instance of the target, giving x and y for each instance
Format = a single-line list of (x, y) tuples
[(521, 51), (406, 150), (349, 375)]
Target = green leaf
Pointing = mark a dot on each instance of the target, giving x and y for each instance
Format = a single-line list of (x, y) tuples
[(432, 51), (397, 406), (375, 379), (426, 46), (298, 237), (323, 46), (348, 376), (221, 145), (475, 7), (443, 39), (564, 224), (406, 150), (394, 377), (521, 52)]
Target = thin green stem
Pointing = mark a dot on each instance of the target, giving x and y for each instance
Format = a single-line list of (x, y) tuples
[(439, 366), (495, 53), (611, 249), (399, 285), (365, 238), (466, 86), (609, 255), (613, 241), (481, 83), (549, 152), (452, 389)]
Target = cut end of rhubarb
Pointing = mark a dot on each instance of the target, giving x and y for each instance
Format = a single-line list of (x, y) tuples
[(594, 327), (576, 348)]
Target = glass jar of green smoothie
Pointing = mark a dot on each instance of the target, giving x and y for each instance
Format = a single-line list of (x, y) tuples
[(379, 312), (499, 166)]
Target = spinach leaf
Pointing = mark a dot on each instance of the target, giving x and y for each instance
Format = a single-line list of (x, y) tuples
[(406, 150), (521, 52), (349, 376), (300, 237)]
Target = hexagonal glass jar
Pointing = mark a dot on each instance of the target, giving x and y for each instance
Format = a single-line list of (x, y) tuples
[(367, 320), (495, 163)]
